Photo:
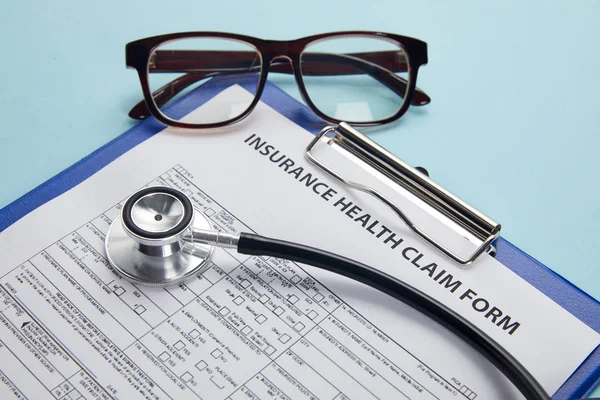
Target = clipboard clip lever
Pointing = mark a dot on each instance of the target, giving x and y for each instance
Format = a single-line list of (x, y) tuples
[(477, 224)]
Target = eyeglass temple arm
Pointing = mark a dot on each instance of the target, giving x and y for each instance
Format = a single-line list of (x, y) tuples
[(167, 92), (215, 62), (380, 65)]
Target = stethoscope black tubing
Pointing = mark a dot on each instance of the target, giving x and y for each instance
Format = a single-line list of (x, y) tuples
[(252, 244)]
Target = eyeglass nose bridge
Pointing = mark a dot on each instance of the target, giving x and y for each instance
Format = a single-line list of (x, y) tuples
[(288, 63), (276, 52), (283, 60), (279, 57), (283, 63)]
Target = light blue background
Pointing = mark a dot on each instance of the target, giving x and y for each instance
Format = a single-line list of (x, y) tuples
[(513, 127)]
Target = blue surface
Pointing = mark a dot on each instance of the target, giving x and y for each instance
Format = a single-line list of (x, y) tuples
[(512, 128)]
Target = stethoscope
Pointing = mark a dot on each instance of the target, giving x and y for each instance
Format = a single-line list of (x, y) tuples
[(161, 240)]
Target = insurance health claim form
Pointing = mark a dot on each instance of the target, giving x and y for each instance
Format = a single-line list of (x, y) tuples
[(253, 327)]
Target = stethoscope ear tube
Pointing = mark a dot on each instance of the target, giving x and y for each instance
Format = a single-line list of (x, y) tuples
[(252, 244)]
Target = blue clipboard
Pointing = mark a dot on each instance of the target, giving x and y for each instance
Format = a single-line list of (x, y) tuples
[(564, 293)]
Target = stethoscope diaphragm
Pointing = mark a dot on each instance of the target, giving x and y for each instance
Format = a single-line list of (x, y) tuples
[(152, 243)]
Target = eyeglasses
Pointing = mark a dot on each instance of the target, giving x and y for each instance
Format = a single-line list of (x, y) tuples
[(363, 78)]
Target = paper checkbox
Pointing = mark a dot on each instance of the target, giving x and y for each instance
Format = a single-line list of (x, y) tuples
[(119, 290), (186, 377), (139, 309), (201, 365), (224, 311), (194, 333), (261, 319), (264, 298), (270, 350), (284, 338), (179, 345), (238, 300), (293, 299), (245, 283), (246, 330)]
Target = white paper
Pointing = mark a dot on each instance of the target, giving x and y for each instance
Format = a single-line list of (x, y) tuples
[(254, 327)]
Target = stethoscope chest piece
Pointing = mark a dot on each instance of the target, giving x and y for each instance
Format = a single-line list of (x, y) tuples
[(152, 242)]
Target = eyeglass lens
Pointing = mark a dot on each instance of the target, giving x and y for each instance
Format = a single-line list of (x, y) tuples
[(355, 79), (185, 64)]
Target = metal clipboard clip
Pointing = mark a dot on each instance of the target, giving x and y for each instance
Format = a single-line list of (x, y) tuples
[(484, 229)]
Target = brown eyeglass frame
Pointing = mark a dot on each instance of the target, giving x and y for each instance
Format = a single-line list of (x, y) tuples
[(141, 55)]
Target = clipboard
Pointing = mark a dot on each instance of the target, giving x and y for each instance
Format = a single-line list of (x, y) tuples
[(554, 286)]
